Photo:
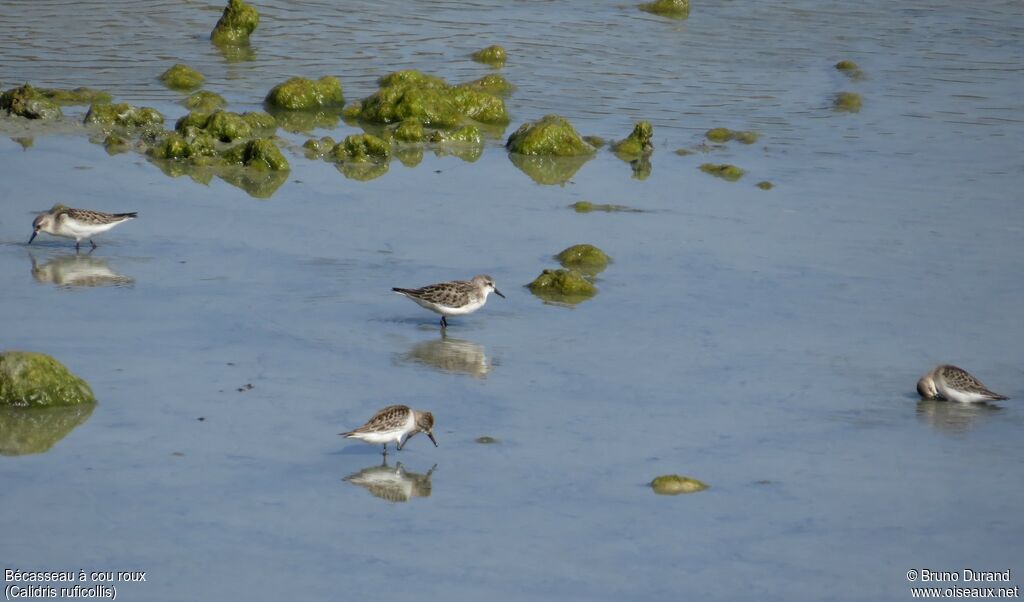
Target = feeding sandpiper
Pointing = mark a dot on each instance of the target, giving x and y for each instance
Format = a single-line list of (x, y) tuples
[(454, 298), (394, 423), (79, 224), (954, 384)]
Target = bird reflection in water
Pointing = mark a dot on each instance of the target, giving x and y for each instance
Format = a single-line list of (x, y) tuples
[(393, 484), (73, 270), (953, 418), (450, 355)]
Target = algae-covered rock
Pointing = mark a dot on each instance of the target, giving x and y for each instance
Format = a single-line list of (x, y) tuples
[(722, 170), (550, 135), (30, 379), (637, 144), (182, 77), (259, 154), (35, 430), (849, 102), (194, 144), (235, 25), (486, 440), (467, 134), (205, 101), (588, 207), (849, 69), (492, 84), (361, 148), (585, 258), (674, 484), (301, 94), (682, 152), (26, 101), (674, 9), (562, 286), (318, 147), (227, 126), (722, 135), (765, 185), (410, 130), (479, 105), (492, 55), (413, 95), (76, 96), (123, 115), (746, 137), (304, 122)]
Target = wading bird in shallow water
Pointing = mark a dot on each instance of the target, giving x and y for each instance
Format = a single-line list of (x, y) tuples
[(79, 224), (954, 384), (394, 423), (454, 298)]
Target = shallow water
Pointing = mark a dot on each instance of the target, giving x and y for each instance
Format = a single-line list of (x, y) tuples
[(765, 342)]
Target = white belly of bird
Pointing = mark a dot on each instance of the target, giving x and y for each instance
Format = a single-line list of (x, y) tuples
[(80, 231), (445, 310), (962, 396), (395, 436)]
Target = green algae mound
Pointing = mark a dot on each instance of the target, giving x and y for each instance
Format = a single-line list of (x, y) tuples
[(725, 171), (585, 258), (849, 69), (123, 115), (75, 96), (227, 126), (849, 102), (35, 430), (301, 94), (588, 207), (28, 102), (637, 144), (175, 146), (182, 77), (722, 135), (486, 440), (36, 380), (492, 84), (410, 130), (235, 25), (260, 154), (674, 484), (361, 148), (494, 56), (674, 9), (765, 185), (318, 147), (551, 135), (428, 99), (205, 101), (467, 134), (562, 286)]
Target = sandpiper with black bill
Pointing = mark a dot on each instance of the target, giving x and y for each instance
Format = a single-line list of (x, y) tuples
[(454, 298), (79, 224), (396, 423)]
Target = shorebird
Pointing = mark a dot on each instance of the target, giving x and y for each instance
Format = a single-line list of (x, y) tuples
[(454, 298), (954, 384), (394, 423), (79, 224)]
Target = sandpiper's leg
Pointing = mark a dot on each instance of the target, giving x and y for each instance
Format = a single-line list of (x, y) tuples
[(385, 450), (92, 243), (444, 322), (76, 246)]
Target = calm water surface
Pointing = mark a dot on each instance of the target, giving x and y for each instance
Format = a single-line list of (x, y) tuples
[(765, 342)]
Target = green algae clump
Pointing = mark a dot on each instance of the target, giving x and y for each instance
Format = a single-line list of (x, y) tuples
[(850, 69), (674, 9), (486, 440), (361, 148), (318, 147), (492, 84), (260, 154), (235, 25), (410, 130), (494, 56), (550, 135), (28, 102), (849, 102), (765, 185), (467, 134), (182, 77), (583, 257), (722, 135), (637, 144), (430, 100), (562, 286), (75, 96), (123, 115), (674, 484), (205, 101), (588, 207), (725, 171), (227, 126), (301, 94), (36, 380)]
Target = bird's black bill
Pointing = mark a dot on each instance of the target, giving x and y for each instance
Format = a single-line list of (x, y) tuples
[(497, 292), (33, 237), (431, 435)]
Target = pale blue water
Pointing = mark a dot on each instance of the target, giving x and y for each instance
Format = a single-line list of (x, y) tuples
[(765, 342)]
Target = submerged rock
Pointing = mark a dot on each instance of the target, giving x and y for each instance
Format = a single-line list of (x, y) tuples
[(35, 430), (259, 154), (850, 69), (849, 102), (637, 144), (182, 77), (547, 169), (486, 440), (725, 171), (123, 115), (76, 96), (588, 207), (674, 484), (205, 101), (28, 102), (301, 94), (361, 148), (562, 286), (492, 55), (585, 258), (235, 25), (318, 147), (765, 185), (37, 380), (550, 135), (722, 135), (492, 84), (675, 9)]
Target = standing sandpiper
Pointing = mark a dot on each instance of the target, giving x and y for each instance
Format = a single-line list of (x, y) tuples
[(453, 298), (79, 224), (954, 384), (394, 423)]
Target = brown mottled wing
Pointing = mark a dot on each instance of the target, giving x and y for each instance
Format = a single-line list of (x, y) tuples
[(963, 380), (451, 294), (96, 217), (387, 419)]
